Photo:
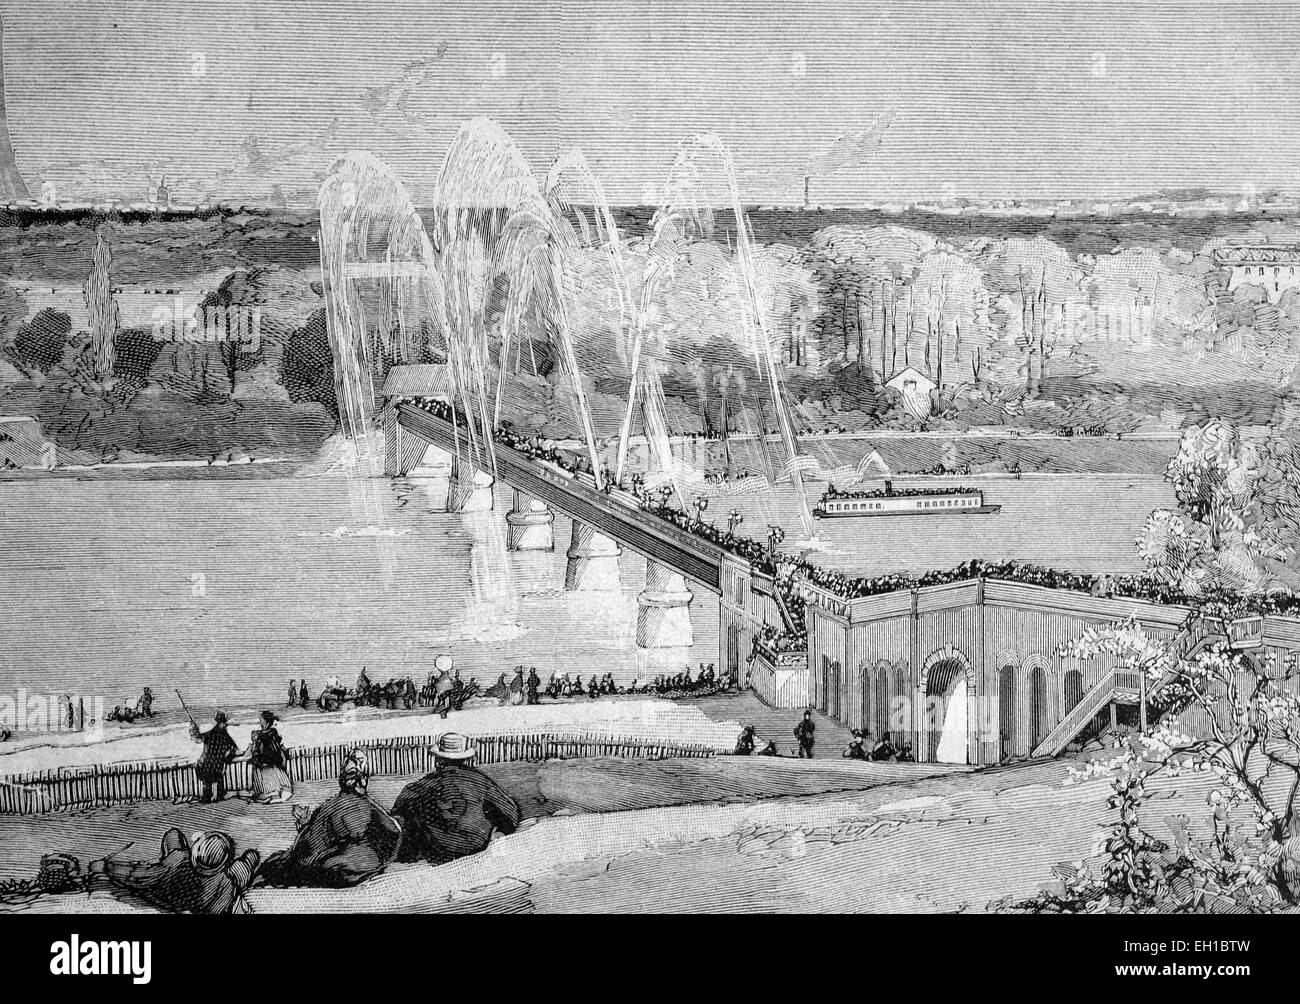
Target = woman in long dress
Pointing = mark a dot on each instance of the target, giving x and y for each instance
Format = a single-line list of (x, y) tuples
[(269, 759)]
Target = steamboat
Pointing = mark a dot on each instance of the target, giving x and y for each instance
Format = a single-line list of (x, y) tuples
[(906, 502)]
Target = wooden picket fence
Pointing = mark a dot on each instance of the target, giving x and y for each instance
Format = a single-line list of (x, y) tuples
[(110, 784)]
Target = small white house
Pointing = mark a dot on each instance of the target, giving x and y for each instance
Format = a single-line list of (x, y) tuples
[(916, 389)]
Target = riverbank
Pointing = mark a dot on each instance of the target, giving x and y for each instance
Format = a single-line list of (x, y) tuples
[(728, 835)]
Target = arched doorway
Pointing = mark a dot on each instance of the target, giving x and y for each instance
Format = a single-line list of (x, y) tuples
[(1072, 690), (947, 707), (1007, 710), (1037, 707)]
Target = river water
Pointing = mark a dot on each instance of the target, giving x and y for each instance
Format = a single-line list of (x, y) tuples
[(227, 588)]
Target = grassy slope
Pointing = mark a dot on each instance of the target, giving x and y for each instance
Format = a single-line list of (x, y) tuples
[(722, 835)]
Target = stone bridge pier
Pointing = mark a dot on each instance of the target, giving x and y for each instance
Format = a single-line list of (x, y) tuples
[(592, 560), (530, 525), (450, 483), (663, 616)]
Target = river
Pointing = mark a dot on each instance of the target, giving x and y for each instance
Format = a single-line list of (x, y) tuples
[(227, 588)]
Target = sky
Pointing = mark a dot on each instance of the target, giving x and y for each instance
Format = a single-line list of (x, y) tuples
[(252, 101)]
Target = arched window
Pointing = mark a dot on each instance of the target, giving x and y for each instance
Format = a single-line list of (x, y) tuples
[(1007, 709), (880, 723)]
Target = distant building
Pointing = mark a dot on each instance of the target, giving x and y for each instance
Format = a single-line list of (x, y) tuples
[(1273, 269), (916, 389)]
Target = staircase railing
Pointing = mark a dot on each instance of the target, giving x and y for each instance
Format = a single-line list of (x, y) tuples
[(1115, 685)]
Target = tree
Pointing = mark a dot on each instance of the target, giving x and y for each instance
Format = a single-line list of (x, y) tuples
[(39, 343), (307, 366), (1252, 745), (102, 309), (1238, 509)]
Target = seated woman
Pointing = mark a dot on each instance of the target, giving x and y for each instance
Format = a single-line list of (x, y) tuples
[(858, 747), (343, 842), (885, 749)]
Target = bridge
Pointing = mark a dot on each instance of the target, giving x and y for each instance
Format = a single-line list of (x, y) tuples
[(435, 454)]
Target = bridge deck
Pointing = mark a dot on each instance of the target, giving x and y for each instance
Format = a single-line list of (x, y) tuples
[(647, 535)]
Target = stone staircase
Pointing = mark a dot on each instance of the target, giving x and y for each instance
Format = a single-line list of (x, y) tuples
[(1125, 686)]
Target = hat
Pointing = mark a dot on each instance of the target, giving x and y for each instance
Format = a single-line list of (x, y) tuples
[(220, 718), (211, 852), (454, 746), (269, 716)]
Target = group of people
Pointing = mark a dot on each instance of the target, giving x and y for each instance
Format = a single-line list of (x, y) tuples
[(706, 679), (571, 686), (749, 743), (127, 711), (863, 747), (265, 752), (447, 814)]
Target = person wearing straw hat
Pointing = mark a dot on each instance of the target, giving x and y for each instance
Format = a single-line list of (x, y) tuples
[(191, 876), (453, 811)]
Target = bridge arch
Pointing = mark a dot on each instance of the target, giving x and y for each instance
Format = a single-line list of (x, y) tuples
[(946, 694), (1037, 703)]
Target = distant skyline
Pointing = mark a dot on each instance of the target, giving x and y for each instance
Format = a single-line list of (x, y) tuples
[(252, 101)]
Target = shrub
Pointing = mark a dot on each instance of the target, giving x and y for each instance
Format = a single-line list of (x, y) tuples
[(39, 343)]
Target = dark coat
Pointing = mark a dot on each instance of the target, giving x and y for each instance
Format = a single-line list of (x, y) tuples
[(804, 731), (451, 813), (174, 885), (218, 750), (345, 841), (745, 744), (268, 749)]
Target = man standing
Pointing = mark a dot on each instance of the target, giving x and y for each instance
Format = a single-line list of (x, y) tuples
[(804, 733), (534, 684), (302, 694), (293, 694), (452, 811), (218, 750)]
